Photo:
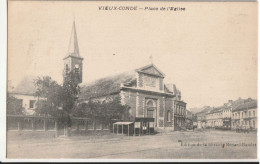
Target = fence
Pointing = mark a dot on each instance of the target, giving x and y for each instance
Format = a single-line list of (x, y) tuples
[(47, 123)]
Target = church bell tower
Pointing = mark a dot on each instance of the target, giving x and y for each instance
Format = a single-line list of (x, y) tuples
[(73, 60)]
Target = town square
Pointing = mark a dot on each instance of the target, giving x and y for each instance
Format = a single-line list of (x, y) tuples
[(131, 84), (172, 145)]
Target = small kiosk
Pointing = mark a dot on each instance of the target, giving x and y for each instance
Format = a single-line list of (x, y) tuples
[(143, 126), (119, 127)]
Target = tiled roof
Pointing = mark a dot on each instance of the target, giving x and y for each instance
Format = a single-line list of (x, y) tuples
[(216, 110), (26, 86), (110, 85), (105, 86), (249, 105)]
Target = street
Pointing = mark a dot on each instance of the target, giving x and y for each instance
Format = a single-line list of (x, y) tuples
[(200, 144)]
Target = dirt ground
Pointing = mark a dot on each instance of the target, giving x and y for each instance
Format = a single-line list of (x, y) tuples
[(203, 144)]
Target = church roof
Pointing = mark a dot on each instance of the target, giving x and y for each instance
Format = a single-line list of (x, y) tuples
[(73, 49), (111, 85), (105, 86)]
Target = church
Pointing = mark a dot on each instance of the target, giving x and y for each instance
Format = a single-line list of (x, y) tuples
[(142, 89)]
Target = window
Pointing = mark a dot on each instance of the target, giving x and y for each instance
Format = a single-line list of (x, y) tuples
[(32, 103), (249, 113), (168, 116), (67, 69), (254, 113), (77, 68)]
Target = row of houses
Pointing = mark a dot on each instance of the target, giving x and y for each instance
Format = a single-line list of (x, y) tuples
[(241, 113)]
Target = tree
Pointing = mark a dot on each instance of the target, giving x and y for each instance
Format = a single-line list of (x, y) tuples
[(49, 96), (70, 91), (104, 112), (57, 97), (14, 106)]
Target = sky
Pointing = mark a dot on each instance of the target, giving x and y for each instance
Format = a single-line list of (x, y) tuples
[(209, 50)]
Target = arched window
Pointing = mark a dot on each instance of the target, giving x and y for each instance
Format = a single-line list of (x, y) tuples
[(151, 107), (150, 103), (168, 116)]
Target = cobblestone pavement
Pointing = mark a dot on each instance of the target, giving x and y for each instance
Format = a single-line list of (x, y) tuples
[(207, 144)]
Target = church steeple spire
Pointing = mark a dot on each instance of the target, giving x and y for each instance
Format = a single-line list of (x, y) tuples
[(73, 61), (73, 49)]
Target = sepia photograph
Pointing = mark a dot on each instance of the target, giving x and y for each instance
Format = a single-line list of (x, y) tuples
[(155, 80)]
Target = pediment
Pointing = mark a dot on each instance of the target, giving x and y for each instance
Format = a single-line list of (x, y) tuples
[(151, 70)]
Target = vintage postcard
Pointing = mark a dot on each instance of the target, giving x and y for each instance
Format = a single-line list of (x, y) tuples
[(132, 80)]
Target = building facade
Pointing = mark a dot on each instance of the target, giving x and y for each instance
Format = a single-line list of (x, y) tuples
[(234, 114), (144, 91), (245, 115), (214, 118), (24, 92), (219, 117)]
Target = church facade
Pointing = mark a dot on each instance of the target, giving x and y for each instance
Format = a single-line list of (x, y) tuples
[(142, 89)]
